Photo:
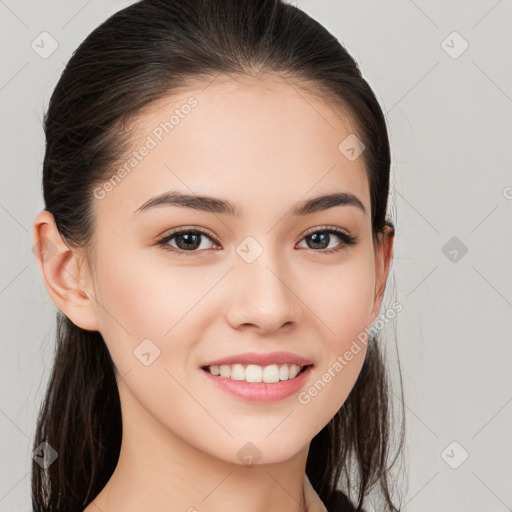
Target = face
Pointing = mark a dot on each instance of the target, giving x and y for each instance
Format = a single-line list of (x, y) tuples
[(266, 280)]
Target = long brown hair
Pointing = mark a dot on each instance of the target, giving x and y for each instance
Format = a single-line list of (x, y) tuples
[(139, 55)]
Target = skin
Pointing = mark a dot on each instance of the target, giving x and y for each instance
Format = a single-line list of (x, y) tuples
[(264, 145)]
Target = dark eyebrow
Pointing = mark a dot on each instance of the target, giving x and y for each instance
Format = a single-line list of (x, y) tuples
[(215, 205)]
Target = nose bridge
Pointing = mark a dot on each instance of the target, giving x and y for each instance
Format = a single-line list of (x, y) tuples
[(264, 295)]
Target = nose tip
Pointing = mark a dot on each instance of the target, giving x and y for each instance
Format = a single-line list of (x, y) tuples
[(263, 299)]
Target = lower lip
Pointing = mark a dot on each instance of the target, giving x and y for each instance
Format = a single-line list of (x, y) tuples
[(260, 391)]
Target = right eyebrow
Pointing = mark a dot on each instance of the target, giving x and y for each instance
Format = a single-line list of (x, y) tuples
[(328, 201)]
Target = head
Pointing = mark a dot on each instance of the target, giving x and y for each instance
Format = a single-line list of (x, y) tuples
[(226, 100)]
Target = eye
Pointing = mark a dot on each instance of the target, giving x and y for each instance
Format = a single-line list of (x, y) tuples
[(188, 240), (320, 237)]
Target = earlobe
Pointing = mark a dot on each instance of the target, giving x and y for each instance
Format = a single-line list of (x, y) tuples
[(383, 258), (64, 273)]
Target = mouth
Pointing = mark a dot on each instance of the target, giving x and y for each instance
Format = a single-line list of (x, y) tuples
[(253, 373)]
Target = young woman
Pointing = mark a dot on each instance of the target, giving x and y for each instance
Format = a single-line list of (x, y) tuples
[(215, 238)]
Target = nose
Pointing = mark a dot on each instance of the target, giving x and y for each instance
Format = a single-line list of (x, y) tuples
[(262, 296)]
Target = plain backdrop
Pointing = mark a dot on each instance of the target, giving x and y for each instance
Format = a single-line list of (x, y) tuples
[(442, 74)]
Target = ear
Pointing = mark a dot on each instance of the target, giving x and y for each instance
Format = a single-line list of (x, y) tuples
[(65, 273), (383, 258)]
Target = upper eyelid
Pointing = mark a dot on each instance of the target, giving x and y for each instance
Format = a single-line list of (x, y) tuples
[(203, 231), (326, 227)]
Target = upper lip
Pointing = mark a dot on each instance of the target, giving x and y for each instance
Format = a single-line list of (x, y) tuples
[(262, 359)]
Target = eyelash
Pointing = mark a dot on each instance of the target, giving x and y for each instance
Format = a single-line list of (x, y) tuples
[(347, 240)]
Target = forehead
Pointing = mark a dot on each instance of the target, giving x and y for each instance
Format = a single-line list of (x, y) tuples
[(253, 138)]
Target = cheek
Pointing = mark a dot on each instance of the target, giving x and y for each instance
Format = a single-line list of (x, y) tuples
[(343, 317), (341, 298), (130, 306), (143, 296), (145, 299)]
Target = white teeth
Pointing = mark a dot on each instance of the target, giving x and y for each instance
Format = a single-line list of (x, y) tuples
[(237, 372), (271, 373), (256, 373), (253, 373), (294, 370)]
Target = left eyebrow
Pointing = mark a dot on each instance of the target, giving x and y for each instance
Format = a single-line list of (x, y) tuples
[(221, 206)]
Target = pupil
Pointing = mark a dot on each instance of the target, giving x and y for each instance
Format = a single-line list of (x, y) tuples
[(314, 236), (191, 240)]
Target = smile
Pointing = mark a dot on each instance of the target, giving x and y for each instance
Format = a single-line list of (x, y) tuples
[(255, 373)]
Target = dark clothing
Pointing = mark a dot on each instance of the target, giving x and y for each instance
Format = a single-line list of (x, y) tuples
[(342, 504)]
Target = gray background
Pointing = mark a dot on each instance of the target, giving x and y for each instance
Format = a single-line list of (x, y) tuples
[(449, 118)]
